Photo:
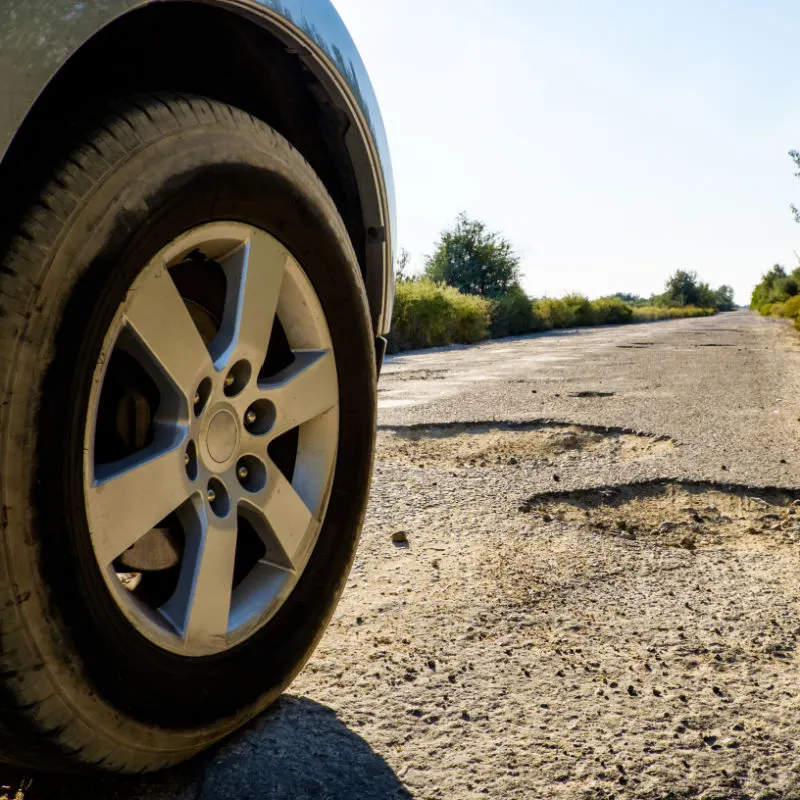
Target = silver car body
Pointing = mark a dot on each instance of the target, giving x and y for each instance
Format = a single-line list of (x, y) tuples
[(38, 37)]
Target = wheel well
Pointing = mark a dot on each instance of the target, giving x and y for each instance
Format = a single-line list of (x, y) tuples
[(201, 49)]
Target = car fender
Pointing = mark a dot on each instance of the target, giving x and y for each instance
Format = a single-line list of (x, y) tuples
[(38, 37)]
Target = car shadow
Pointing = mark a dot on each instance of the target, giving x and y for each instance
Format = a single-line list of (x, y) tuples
[(299, 750)]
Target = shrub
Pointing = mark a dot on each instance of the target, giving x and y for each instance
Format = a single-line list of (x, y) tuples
[(653, 313), (581, 309), (765, 309), (513, 314), (427, 314), (612, 311), (790, 309), (554, 313), (472, 315)]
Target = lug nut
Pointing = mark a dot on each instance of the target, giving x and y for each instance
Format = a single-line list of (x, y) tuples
[(229, 381), (212, 495), (243, 473), (186, 458), (197, 398), (250, 417)]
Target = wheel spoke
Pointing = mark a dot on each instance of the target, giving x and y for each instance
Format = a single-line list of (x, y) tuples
[(130, 497), (158, 316), (254, 274), (287, 517), (304, 390), (200, 607)]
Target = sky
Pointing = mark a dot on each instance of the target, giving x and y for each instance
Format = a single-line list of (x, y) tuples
[(612, 141)]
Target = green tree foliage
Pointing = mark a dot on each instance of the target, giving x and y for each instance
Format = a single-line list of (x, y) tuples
[(630, 299), (776, 286), (685, 289), (474, 260), (725, 300)]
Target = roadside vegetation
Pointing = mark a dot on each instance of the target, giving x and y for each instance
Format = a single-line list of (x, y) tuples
[(470, 291), (778, 292)]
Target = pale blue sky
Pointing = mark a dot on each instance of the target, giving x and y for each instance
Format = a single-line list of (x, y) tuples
[(612, 141)]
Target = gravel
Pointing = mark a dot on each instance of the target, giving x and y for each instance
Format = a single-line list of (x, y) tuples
[(627, 631)]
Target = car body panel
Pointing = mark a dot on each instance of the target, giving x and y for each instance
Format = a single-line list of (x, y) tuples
[(37, 37)]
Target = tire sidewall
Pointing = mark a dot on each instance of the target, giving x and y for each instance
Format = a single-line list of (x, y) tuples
[(129, 690)]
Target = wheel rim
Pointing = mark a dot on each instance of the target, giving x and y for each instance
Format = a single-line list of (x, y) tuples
[(206, 485)]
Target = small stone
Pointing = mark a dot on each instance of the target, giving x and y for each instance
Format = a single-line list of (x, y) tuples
[(431, 664), (632, 692), (512, 461), (688, 543), (546, 518), (557, 478), (664, 527), (400, 537), (724, 468), (524, 508), (435, 563), (783, 461), (359, 620)]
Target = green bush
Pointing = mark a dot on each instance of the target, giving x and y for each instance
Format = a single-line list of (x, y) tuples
[(513, 314), (581, 309), (790, 309), (473, 314), (553, 313), (427, 314), (654, 313), (612, 311), (765, 309)]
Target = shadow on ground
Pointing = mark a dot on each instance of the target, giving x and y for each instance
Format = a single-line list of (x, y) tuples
[(300, 750)]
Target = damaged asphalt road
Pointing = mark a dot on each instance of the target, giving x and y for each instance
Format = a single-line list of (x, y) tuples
[(578, 579)]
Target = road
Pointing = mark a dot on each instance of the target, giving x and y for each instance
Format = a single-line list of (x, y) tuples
[(598, 595)]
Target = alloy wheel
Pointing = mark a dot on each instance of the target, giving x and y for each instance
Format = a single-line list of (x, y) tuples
[(211, 439)]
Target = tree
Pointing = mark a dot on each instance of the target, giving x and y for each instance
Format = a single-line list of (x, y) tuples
[(776, 286), (474, 260), (682, 290), (403, 263), (630, 299), (725, 300)]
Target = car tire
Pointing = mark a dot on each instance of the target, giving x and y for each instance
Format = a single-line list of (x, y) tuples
[(91, 677)]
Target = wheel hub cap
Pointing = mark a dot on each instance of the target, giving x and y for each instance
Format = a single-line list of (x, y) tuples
[(222, 436)]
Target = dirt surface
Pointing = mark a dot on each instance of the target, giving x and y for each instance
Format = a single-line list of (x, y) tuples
[(578, 579)]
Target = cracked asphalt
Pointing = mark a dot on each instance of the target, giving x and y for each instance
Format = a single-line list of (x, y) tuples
[(578, 579)]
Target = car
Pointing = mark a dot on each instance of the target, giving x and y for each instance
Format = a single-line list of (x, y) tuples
[(196, 281)]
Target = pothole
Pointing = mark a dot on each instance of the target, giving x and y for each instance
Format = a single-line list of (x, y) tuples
[(416, 375), (493, 444), (683, 515)]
